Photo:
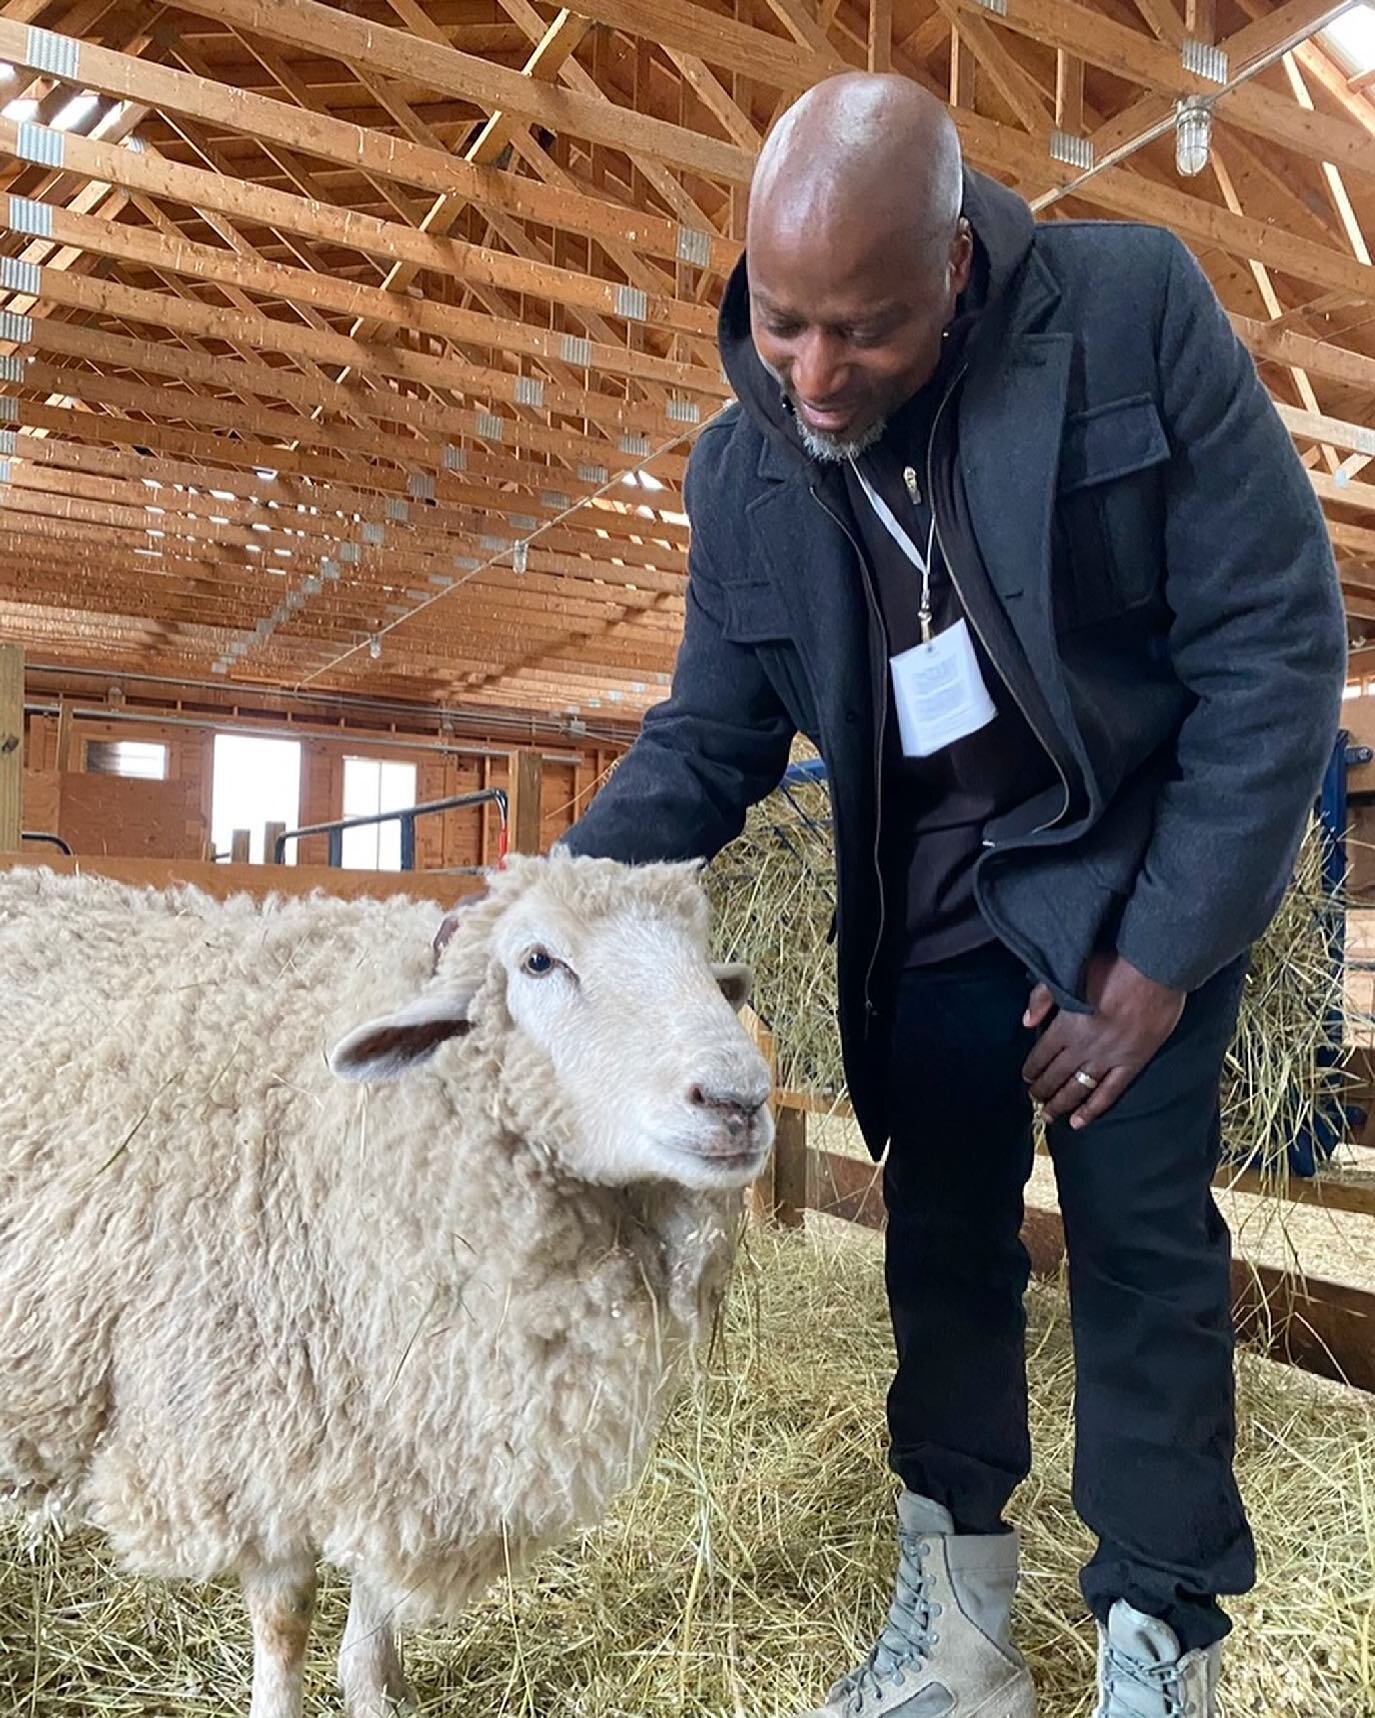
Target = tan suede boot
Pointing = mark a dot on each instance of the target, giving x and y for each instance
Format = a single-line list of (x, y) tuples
[(1143, 1674), (946, 1647)]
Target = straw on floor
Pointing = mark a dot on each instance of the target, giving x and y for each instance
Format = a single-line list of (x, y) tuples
[(753, 1561)]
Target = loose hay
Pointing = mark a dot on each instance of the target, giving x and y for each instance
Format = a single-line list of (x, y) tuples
[(773, 892), (754, 1559)]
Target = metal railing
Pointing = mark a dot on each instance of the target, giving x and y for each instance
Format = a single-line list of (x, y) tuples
[(51, 840), (334, 830)]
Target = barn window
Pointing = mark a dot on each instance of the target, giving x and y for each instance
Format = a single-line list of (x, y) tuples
[(372, 785), (256, 782), (142, 758)]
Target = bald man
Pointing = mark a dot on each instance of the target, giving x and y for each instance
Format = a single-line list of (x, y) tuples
[(1005, 524)]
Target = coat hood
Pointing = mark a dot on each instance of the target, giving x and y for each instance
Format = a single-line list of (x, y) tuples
[(1003, 229)]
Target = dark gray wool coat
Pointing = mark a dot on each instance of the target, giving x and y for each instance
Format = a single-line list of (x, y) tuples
[(1152, 557)]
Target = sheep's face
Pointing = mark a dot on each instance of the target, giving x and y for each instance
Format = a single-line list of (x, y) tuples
[(619, 1041), (655, 1076)]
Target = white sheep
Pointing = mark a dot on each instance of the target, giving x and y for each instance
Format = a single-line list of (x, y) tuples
[(253, 1316)]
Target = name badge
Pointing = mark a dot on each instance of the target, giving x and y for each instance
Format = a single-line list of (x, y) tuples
[(939, 693)]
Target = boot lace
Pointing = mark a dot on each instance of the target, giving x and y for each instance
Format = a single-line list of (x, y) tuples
[(908, 1635), (1126, 1679)]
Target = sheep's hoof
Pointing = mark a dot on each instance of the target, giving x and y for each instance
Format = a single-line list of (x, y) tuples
[(382, 1703), (392, 1698)]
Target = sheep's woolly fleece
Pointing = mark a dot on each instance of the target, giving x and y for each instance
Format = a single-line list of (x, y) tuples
[(247, 1311)]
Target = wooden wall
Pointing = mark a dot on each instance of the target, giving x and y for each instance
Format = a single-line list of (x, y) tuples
[(102, 814), (120, 815)]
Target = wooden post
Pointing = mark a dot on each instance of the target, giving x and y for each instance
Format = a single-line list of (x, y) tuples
[(963, 72), (523, 791), (239, 846), (66, 712), (880, 57), (271, 833), (762, 1200), (11, 746), (791, 1177)]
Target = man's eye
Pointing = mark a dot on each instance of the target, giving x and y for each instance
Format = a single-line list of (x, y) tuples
[(539, 963)]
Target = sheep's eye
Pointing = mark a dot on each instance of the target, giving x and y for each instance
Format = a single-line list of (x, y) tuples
[(539, 963)]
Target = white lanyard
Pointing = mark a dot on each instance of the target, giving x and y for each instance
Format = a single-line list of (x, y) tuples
[(921, 562)]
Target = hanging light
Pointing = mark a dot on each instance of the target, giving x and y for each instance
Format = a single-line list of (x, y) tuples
[(374, 648), (1193, 132)]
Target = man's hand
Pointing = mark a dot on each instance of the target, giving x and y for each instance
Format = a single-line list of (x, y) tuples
[(1132, 1017)]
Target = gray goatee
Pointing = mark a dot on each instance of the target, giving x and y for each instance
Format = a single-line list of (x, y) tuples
[(835, 449)]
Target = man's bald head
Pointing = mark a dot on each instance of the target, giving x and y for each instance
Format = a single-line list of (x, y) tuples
[(856, 253), (877, 149)]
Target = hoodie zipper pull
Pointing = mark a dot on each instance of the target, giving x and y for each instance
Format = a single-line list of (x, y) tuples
[(909, 478)]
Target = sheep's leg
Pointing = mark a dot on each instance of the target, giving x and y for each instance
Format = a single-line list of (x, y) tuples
[(281, 1602), (369, 1668)]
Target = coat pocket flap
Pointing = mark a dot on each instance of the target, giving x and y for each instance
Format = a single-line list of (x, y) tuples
[(753, 613), (1110, 441)]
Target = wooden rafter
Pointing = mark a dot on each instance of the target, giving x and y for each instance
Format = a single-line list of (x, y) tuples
[(373, 302)]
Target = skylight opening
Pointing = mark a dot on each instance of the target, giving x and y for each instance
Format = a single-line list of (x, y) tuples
[(23, 110), (79, 108), (1351, 40)]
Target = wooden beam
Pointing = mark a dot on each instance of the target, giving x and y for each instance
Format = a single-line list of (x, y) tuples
[(210, 322), (526, 781), (66, 710), (1023, 95), (399, 54), (1130, 54), (248, 454), (999, 149), (357, 148), (452, 257), (223, 881), (964, 71), (880, 36), (1069, 93), (11, 746)]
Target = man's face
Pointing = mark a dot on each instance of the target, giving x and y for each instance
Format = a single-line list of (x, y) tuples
[(850, 332)]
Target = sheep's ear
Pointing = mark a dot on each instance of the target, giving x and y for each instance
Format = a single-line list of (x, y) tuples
[(737, 984), (386, 1049)]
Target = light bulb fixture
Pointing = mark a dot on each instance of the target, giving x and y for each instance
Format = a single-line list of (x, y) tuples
[(520, 556), (374, 648), (1193, 132)]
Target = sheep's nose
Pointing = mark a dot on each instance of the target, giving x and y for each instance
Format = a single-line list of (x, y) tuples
[(735, 1109)]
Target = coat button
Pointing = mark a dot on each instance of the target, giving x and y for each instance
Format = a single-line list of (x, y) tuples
[(852, 716)]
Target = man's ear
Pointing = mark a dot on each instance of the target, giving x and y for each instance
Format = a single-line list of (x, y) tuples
[(386, 1049), (736, 982)]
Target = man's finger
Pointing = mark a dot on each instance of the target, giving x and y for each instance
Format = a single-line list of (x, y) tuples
[(1072, 1095), (1099, 1102), (1039, 1009), (1043, 1052), (1052, 1082)]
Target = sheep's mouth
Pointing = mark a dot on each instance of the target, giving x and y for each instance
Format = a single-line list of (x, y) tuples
[(730, 1158)]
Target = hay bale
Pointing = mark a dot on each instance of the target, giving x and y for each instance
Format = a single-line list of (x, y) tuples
[(755, 1557), (774, 891)]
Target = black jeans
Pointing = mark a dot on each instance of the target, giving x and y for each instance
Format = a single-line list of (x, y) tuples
[(1148, 1276)]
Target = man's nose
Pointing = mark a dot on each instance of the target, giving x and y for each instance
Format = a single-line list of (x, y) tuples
[(818, 369)]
